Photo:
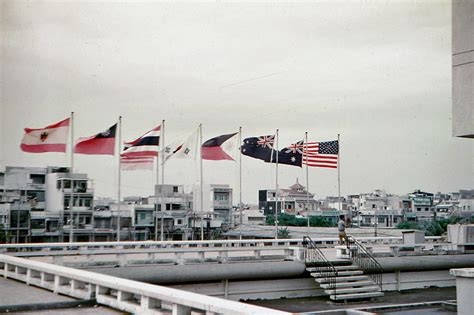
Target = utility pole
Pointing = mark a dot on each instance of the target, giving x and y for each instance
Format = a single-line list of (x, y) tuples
[(375, 222)]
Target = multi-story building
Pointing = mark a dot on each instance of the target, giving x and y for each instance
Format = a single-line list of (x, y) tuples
[(72, 197), (177, 206), (38, 202), (293, 200), (377, 208), (421, 205)]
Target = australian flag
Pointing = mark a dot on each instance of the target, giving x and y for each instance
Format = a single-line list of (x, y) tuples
[(262, 148)]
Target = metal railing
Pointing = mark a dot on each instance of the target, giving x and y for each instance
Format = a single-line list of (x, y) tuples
[(122, 294), (366, 261), (315, 258)]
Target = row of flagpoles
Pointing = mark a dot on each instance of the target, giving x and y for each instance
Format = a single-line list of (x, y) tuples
[(140, 154)]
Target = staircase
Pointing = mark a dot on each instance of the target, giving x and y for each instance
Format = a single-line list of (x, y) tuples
[(360, 279), (350, 283)]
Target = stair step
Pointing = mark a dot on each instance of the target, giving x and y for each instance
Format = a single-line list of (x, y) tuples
[(342, 279), (348, 284), (340, 273), (354, 296), (338, 268), (372, 288)]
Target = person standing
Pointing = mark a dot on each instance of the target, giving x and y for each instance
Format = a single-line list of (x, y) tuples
[(341, 226)]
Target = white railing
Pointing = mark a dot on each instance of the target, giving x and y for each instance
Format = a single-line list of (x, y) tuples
[(180, 256), (125, 295), (324, 242)]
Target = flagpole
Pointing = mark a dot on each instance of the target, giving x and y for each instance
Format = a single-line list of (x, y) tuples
[(157, 183), (307, 179), (338, 174), (163, 206), (276, 187), (119, 176), (201, 182), (240, 182), (71, 202)]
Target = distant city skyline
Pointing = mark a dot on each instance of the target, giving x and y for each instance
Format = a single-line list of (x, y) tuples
[(377, 73)]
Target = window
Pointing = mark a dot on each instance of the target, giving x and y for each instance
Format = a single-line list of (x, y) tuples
[(418, 209), (373, 206), (37, 178), (381, 220), (367, 220), (175, 189), (179, 222), (221, 197), (427, 209)]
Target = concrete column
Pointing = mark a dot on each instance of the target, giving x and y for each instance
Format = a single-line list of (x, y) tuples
[(464, 290), (28, 276)]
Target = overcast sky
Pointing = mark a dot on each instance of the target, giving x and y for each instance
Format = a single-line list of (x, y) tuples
[(377, 72)]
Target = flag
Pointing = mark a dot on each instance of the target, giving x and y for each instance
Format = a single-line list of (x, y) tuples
[(146, 145), (220, 148), (258, 147), (321, 154), (136, 163), (52, 138), (101, 143), (184, 148), (262, 148)]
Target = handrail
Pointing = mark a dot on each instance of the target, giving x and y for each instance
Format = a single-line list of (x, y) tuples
[(366, 261), (314, 257), (123, 294)]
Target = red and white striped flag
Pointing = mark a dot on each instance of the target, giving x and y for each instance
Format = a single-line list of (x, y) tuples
[(136, 163), (52, 138), (321, 154), (146, 145)]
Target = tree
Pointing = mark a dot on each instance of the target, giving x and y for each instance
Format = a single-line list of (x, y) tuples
[(283, 233)]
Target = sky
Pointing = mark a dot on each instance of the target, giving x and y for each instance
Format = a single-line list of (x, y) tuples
[(376, 72)]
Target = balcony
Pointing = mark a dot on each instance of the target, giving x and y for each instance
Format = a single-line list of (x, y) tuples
[(78, 191)]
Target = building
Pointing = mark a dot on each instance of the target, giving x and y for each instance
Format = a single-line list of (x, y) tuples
[(37, 204), (377, 208), (293, 200), (463, 68), (421, 205)]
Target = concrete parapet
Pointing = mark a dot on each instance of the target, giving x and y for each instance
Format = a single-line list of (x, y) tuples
[(464, 290)]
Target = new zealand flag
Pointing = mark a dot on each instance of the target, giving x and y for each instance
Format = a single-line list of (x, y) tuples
[(262, 148)]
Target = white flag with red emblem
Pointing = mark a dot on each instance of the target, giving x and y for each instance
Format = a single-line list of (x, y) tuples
[(52, 138)]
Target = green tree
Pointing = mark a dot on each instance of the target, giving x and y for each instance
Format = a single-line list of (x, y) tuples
[(291, 220), (408, 225), (283, 233)]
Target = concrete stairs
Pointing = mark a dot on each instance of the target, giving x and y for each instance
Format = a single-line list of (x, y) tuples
[(350, 283)]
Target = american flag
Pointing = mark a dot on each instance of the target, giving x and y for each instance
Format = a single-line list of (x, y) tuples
[(319, 154)]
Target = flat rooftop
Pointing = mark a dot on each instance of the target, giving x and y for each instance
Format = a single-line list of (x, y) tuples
[(321, 303)]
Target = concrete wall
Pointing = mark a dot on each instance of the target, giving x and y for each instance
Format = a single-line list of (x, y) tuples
[(54, 200), (463, 68)]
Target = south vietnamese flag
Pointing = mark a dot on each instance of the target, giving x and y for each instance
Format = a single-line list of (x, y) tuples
[(52, 138), (101, 143)]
